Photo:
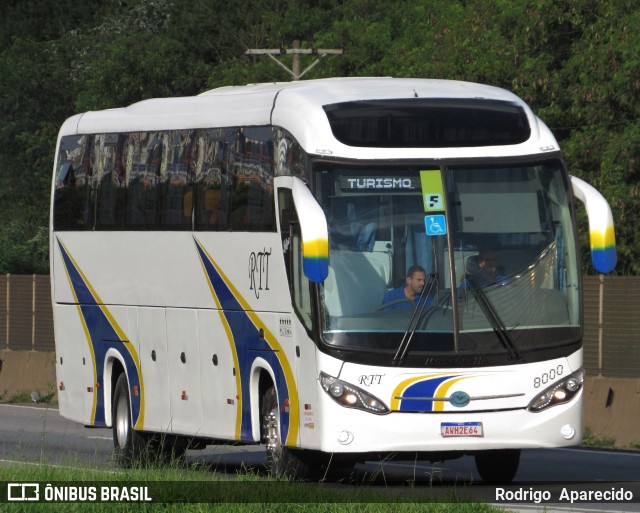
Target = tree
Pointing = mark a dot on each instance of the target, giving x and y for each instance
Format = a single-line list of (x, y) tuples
[(576, 63), (601, 109)]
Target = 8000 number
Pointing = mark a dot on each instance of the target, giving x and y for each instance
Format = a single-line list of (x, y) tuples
[(548, 377)]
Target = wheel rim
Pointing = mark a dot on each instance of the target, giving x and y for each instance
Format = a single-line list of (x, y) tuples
[(122, 422), (272, 434)]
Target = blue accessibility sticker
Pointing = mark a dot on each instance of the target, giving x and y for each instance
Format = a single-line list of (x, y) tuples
[(435, 224)]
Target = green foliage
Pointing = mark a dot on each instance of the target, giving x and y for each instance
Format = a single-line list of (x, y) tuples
[(577, 63), (591, 440)]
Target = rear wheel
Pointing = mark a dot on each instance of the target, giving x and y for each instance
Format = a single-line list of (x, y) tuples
[(498, 466), (130, 445)]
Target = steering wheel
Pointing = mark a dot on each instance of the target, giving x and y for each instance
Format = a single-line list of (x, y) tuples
[(394, 302)]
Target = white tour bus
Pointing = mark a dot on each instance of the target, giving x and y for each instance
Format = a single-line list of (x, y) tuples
[(219, 267)]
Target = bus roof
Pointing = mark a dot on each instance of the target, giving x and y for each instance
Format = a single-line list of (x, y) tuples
[(299, 108)]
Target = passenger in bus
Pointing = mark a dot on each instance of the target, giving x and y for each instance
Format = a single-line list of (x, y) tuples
[(487, 269), (408, 294)]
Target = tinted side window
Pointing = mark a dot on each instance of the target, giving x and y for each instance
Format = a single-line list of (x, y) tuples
[(72, 206), (108, 182), (206, 179), (142, 157), (252, 201), (210, 170), (175, 188)]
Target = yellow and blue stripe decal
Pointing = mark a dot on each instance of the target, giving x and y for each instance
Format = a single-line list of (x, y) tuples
[(103, 333), (603, 249), (415, 392), (315, 259), (249, 339)]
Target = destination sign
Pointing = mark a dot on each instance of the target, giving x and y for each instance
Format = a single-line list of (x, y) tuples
[(377, 183)]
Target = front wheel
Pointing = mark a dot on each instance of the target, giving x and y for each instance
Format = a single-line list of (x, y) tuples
[(294, 464), (498, 466)]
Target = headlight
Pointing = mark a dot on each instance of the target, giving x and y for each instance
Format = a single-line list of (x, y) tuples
[(350, 396), (560, 392)]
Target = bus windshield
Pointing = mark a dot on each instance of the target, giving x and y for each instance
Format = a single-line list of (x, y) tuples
[(496, 245)]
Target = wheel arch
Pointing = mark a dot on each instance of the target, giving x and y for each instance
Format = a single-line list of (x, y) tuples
[(261, 379), (113, 367)]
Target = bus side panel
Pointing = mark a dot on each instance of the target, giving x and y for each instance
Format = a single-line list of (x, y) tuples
[(218, 377), (307, 380), (113, 335), (152, 336), (61, 290), (184, 371), (74, 369)]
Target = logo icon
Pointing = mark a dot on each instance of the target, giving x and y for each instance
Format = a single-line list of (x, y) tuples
[(21, 492), (459, 399)]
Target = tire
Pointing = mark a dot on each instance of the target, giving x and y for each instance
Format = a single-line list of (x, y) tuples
[(130, 446), (285, 462), (498, 466)]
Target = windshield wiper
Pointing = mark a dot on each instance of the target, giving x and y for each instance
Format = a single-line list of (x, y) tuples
[(493, 318), (403, 348)]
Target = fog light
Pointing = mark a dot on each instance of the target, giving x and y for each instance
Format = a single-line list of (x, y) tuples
[(568, 432), (345, 437)]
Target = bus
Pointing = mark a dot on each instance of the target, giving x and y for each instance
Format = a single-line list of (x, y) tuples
[(219, 267)]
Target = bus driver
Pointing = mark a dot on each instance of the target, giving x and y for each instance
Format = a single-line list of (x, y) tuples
[(408, 294)]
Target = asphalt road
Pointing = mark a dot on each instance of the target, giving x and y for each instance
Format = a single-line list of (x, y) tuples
[(40, 435)]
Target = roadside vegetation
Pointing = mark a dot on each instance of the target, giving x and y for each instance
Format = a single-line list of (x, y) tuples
[(25, 397), (591, 440)]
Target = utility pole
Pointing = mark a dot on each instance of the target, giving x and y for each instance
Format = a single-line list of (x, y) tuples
[(296, 51)]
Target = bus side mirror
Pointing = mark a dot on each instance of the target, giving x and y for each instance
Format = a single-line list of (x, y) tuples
[(601, 233), (315, 238)]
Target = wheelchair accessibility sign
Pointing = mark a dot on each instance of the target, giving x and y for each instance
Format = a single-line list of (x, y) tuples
[(435, 224)]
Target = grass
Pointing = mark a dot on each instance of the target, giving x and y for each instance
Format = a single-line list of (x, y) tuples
[(591, 440), (248, 492), (25, 397)]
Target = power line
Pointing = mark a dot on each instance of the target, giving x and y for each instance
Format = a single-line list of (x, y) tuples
[(296, 51)]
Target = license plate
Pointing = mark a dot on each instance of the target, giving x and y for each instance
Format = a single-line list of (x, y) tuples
[(451, 429)]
